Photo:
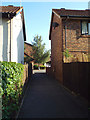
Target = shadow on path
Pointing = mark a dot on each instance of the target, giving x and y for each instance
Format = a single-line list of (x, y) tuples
[(46, 98)]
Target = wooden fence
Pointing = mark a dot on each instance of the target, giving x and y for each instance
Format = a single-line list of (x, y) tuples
[(27, 72), (76, 77)]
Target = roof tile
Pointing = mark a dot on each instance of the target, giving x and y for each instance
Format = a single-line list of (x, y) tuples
[(68, 12), (9, 9)]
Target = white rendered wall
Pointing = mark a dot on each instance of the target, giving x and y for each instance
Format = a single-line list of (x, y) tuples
[(3, 40), (18, 40)]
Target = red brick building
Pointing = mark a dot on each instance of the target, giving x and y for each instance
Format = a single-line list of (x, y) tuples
[(28, 50), (70, 29)]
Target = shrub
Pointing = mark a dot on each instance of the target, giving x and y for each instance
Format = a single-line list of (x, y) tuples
[(35, 67), (42, 67), (66, 53), (11, 87)]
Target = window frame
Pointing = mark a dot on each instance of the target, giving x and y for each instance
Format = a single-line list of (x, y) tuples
[(87, 27)]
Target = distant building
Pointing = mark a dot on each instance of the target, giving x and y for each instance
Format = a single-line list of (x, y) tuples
[(12, 34), (28, 52), (28, 49)]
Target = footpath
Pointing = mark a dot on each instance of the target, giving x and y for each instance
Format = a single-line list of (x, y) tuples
[(46, 98)]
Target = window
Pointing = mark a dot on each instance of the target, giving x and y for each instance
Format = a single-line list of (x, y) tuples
[(85, 28)]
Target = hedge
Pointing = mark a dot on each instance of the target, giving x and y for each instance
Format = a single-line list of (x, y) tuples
[(11, 87), (42, 67), (35, 67)]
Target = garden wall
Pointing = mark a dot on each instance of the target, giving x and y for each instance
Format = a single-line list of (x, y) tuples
[(25, 74)]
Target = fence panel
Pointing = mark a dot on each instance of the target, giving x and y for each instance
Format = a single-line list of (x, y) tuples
[(67, 77), (75, 77), (25, 74)]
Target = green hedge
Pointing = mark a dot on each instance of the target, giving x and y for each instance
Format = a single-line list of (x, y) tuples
[(11, 87), (35, 67), (42, 67)]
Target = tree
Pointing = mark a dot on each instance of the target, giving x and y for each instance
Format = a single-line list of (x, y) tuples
[(40, 54)]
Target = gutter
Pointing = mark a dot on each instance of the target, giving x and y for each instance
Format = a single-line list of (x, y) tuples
[(75, 16)]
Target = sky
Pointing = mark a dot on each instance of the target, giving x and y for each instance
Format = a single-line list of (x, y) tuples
[(38, 16)]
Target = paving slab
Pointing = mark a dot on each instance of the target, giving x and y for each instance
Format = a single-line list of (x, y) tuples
[(46, 98)]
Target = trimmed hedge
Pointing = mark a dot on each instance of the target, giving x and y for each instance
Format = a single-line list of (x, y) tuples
[(11, 87), (35, 67), (42, 67)]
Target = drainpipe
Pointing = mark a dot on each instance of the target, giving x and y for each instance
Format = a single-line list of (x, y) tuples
[(10, 39), (66, 32), (65, 36)]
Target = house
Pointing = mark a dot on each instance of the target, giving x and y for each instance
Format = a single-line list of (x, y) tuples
[(69, 30), (12, 34), (28, 49), (28, 52)]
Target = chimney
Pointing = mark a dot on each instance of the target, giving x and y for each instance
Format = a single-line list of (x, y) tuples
[(62, 8)]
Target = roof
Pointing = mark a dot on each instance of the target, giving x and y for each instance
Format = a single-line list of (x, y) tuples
[(10, 11), (31, 59), (28, 44), (77, 13), (70, 14)]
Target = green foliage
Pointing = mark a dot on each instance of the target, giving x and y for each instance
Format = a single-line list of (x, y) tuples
[(40, 55), (35, 66), (66, 53), (11, 87), (42, 67)]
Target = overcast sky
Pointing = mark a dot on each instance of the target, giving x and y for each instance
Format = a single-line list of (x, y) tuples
[(38, 16)]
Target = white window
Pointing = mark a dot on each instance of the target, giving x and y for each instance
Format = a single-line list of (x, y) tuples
[(84, 28)]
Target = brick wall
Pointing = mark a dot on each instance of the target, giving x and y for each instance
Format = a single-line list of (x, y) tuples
[(56, 49), (75, 43), (28, 49)]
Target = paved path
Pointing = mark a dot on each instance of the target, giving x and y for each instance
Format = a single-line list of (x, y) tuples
[(46, 98)]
